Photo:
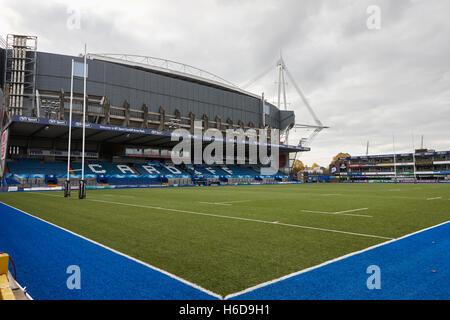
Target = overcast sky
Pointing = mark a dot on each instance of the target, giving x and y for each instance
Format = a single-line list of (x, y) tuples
[(368, 81)]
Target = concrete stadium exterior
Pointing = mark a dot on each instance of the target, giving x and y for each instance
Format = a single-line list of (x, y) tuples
[(135, 86)]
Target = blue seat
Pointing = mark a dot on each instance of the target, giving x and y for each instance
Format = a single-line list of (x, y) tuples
[(37, 167)]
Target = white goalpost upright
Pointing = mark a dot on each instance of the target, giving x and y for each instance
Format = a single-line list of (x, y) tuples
[(414, 159), (67, 182), (82, 189), (395, 159)]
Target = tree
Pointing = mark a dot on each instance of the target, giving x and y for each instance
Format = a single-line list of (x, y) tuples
[(298, 166), (315, 165), (341, 155)]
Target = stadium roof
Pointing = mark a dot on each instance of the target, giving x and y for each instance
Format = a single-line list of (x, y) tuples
[(171, 68), (99, 133)]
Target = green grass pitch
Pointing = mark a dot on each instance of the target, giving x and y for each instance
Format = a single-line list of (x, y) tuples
[(227, 239)]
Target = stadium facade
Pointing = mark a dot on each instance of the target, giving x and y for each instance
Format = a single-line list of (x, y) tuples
[(421, 166), (133, 106)]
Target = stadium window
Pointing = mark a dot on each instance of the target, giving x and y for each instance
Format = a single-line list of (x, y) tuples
[(266, 109), (149, 151), (165, 153), (133, 151)]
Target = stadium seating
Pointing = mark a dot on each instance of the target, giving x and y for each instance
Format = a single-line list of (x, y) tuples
[(104, 168), (37, 167), (160, 169), (233, 170), (37, 172), (205, 171)]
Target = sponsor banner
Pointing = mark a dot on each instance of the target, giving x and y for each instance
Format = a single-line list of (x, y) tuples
[(424, 163), (398, 173), (419, 154), (43, 189), (442, 162), (4, 151), (400, 181), (404, 164), (385, 165), (374, 173), (399, 164)]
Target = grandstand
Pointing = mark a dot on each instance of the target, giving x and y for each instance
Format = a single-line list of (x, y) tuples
[(133, 107), (264, 237), (422, 166)]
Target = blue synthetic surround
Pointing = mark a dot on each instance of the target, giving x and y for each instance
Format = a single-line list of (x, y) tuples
[(42, 252), (406, 273)]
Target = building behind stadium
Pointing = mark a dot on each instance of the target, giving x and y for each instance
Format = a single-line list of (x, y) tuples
[(423, 165)]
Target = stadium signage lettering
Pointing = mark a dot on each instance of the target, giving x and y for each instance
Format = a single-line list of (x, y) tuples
[(29, 119), (57, 122)]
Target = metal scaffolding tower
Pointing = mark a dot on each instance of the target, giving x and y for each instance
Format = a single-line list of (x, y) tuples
[(20, 73)]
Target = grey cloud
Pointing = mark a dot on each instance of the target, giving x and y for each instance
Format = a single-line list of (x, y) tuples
[(364, 84)]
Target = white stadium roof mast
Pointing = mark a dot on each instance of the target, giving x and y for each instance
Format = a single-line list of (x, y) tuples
[(282, 70)]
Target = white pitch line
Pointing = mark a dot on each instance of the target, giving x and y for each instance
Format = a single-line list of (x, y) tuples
[(341, 213), (353, 210), (216, 203), (313, 211), (230, 217), (291, 275), (228, 203), (237, 201), (434, 198)]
